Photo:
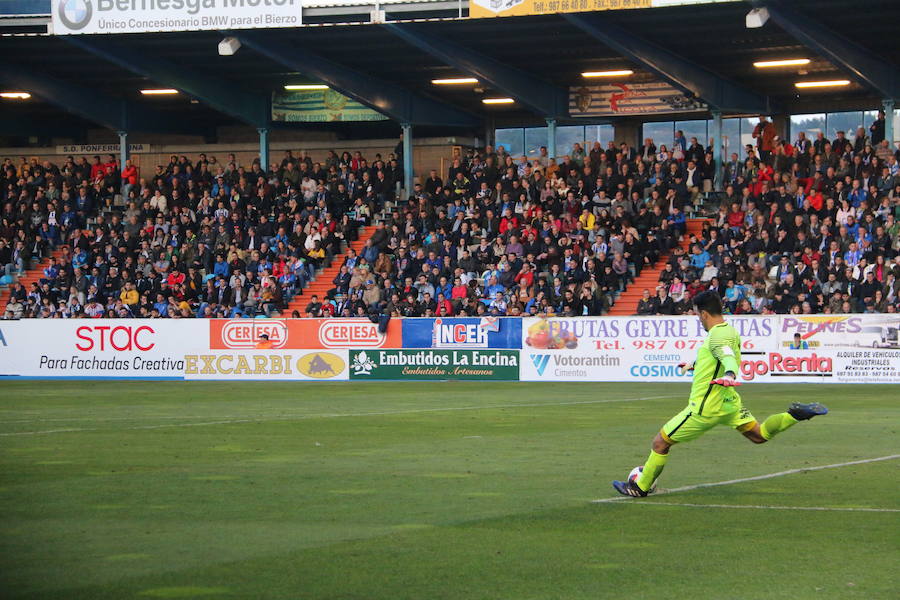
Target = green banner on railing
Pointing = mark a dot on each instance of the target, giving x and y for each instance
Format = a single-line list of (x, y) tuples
[(434, 364)]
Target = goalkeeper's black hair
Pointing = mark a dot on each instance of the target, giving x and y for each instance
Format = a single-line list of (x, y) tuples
[(708, 301)]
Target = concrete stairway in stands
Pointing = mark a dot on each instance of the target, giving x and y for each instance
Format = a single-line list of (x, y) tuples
[(30, 276), (627, 302), (323, 280)]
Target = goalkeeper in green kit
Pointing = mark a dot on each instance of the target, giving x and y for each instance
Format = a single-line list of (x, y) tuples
[(714, 400)]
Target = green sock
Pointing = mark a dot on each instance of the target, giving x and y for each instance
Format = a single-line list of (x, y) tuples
[(652, 468), (776, 424)]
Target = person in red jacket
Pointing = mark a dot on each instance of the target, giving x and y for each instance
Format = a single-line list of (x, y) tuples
[(459, 291), (98, 169), (525, 278), (509, 222), (735, 216), (129, 177), (445, 304), (175, 278), (816, 200)]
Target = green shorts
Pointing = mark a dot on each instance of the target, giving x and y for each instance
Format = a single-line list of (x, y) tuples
[(686, 426)]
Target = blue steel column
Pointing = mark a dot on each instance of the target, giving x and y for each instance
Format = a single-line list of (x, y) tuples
[(123, 156), (123, 147), (406, 128), (551, 138), (718, 150), (263, 148), (889, 122)]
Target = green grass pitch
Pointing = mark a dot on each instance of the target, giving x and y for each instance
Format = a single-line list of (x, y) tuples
[(119, 490)]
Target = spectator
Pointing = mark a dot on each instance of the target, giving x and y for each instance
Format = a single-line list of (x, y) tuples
[(560, 238)]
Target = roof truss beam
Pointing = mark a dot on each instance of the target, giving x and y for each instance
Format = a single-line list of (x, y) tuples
[(117, 114), (680, 72), (546, 100), (228, 98), (866, 67), (398, 103)]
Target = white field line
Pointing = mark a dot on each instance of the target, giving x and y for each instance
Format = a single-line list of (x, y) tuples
[(335, 415), (697, 486), (768, 507)]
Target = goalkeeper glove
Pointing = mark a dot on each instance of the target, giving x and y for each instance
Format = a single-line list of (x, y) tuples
[(686, 366), (726, 380)]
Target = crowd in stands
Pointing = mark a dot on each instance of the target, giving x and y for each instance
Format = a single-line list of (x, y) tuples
[(806, 227), (809, 226)]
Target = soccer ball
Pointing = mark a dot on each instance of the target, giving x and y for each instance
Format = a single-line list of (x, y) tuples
[(636, 472)]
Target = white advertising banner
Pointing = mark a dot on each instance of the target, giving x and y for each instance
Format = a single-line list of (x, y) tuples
[(70, 17), (625, 348), (101, 149), (839, 331), (158, 349), (819, 349)]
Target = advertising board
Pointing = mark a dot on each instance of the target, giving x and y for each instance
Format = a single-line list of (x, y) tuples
[(803, 349), (840, 331), (304, 334), (94, 348), (431, 364), (151, 349), (270, 365), (463, 332), (510, 8), (69, 17), (319, 106), (626, 98), (829, 349), (625, 348)]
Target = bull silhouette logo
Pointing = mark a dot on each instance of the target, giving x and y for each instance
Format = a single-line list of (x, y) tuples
[(318, 366), (321, 365)]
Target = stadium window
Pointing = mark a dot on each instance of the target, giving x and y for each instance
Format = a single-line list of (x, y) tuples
[(811, 124), (731, 132), (662, 133), (695, 129), (512, 140), (535, 137), (843, 121), (567, 136), (598, 133)]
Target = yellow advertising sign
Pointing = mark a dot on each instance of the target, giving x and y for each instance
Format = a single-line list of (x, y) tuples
[(512, 8)]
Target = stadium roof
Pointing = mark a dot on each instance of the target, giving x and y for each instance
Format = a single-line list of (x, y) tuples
[(703, 48)]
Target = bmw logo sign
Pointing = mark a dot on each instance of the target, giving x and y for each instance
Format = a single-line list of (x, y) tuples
[(75, 14)]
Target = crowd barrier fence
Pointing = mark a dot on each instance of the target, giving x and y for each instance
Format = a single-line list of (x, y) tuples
[(816, 348)]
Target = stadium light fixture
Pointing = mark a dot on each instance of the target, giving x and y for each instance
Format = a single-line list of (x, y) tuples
[(159, 92), (757, 17), (497, 100), (454, 81), (818, 84), (306, 86), (15, 95), (618, 73), (229, 46), (788, 62)]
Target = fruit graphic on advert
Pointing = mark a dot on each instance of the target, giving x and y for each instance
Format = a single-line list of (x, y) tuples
[(542, 336)]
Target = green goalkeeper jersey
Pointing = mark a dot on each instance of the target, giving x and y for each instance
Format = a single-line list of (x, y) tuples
[(720, 352)]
